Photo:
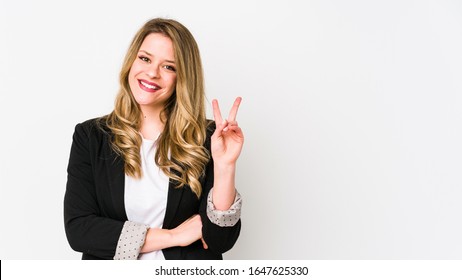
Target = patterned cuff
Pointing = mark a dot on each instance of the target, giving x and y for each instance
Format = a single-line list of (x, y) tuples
[(227, 218), (130, 241)]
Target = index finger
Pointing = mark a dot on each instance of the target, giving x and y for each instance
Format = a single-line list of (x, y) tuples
[(233, 112), (216, 112)]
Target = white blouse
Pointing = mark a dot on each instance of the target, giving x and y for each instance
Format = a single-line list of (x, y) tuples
[(146, 198)]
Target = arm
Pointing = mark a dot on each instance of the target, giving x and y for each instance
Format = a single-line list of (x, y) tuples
[(225, 145), (86, 229), (227, 142), (219, 238)]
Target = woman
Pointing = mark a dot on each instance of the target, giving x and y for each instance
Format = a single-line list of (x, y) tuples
[(154, 179)]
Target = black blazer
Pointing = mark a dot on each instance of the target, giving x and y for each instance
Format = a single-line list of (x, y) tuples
[(94, 211)]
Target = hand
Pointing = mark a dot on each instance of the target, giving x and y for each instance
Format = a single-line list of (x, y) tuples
[(188, 232), (228, 138)]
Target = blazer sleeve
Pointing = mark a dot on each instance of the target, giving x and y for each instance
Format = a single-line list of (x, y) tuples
[(219, 239), (87, 230)]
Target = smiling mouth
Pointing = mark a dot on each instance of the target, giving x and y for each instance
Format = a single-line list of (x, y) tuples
[(147, 86)]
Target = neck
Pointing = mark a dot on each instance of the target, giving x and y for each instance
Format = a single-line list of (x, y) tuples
[(151, 125)]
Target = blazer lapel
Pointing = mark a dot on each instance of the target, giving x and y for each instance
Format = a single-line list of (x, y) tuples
[(173, 202), (116, 181)]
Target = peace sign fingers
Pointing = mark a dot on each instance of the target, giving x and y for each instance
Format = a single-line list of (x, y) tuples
[(223, 125), (227, 140)]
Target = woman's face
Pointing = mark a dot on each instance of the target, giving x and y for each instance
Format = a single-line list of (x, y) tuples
[(152, 76)]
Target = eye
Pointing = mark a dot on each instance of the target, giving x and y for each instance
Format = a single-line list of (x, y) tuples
[(145, 59), (170, 67)]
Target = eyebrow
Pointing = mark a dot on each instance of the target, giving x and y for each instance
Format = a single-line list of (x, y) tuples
[(167, 60)]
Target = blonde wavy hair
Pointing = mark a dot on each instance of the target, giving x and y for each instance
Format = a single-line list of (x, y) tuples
[(180, 152)]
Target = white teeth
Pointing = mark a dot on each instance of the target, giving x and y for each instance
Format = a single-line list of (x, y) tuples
[(148, 86)]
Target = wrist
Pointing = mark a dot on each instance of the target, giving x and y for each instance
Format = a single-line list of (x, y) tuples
[(224, 167), (157, 239)]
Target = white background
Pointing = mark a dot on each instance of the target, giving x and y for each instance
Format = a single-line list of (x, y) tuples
[(351, 111)]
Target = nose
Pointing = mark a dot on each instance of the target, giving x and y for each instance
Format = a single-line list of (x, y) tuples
[(153, 71)]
